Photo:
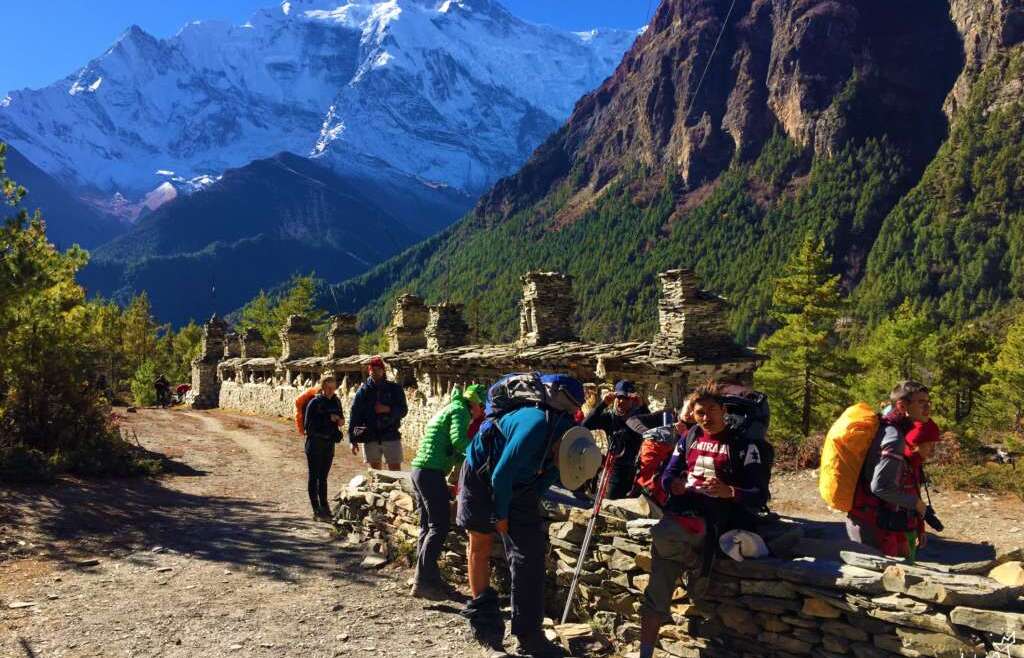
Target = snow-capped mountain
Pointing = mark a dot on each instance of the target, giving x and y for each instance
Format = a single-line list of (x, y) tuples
[(447, 93)]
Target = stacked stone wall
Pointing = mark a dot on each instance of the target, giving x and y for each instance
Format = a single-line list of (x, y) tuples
[(824, 601)]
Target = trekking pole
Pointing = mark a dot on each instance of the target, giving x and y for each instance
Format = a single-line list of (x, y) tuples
[(609, 462)]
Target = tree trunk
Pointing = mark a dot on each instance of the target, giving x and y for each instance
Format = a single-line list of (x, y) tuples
[(805, 419)]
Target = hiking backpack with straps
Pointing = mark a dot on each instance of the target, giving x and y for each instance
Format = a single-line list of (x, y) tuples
[(746, 414), (511, 392)]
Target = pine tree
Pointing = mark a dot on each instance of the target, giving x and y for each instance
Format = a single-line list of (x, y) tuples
[(902, 346), (1005, 390), (806, 372), (962, 370), (267, 316), (139, 336)]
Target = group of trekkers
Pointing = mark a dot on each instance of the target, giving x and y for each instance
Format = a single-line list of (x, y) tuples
[(707, 466)]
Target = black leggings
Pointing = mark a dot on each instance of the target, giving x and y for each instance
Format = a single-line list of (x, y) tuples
[(319, 456)]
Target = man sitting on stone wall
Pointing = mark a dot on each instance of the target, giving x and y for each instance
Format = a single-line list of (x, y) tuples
[(717, 481), (376, 417)]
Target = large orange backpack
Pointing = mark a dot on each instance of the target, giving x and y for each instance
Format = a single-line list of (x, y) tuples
[(300, 407), (842, 458)]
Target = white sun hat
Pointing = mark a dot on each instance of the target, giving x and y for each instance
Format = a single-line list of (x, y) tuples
[(579, 458), (743, 544)]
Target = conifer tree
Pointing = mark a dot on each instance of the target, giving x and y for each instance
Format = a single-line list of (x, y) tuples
[(1005, 390), (902, 346), (805, 376)]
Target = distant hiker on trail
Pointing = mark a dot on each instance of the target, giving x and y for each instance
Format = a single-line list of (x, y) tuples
[(888, 512), (163, 390), (527, 443), (443, 446), (612, 415), (717, 481), (376, 417), (300, 407), (323, 422)]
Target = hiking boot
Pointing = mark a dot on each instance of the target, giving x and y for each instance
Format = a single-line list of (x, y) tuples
[(538, 645), (428, 591), (491, 640)]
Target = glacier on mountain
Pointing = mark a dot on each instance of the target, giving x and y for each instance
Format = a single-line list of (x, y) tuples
[(452, 93)]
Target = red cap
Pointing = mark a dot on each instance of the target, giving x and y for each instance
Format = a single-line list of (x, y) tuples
[(376, 362), (926, 432)]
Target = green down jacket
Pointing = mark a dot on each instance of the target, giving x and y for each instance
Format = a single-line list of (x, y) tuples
[(444, 442)]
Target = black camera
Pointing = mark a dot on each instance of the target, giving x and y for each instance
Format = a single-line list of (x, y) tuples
[(932, 520)]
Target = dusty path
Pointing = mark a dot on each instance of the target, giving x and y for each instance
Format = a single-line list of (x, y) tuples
[(217, 558)]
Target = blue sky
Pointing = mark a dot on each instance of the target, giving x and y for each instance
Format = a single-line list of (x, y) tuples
[(44, 46)]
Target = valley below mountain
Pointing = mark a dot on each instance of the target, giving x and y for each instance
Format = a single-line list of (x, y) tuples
[(729, 132)]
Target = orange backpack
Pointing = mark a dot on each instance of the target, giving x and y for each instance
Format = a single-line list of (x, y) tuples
[(842, 458), (300, 408)]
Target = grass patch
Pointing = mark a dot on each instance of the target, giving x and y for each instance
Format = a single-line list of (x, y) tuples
[(989, 477)]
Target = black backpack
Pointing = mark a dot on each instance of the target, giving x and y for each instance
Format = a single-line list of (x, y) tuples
[(748, 416)]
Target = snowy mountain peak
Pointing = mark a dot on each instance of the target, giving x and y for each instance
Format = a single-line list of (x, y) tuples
[(446, 92)]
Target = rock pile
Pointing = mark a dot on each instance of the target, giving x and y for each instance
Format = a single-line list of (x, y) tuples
[(343, 337), (297, 338), (446, 328), (252, 344), (547, 312), (408, 323), (205, 391), (840, 603), (692, 322)]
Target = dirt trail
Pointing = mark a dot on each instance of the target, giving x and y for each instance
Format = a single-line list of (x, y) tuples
[(218, 558)]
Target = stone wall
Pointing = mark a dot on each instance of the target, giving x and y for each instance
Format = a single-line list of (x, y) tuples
[(820, 601), (429, 358)]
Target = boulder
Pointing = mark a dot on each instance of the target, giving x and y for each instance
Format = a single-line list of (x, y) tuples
[(991, 621), (1010, 574)]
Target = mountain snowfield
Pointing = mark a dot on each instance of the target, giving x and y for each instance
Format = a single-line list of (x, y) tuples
[(441, 93)]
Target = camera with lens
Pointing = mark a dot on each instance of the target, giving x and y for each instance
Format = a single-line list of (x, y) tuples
[(932, 520)]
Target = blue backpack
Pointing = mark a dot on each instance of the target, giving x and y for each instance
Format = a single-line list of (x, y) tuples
[(512, 392)]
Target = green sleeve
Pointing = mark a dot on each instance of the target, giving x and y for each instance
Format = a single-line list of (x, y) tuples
[(458, 427)]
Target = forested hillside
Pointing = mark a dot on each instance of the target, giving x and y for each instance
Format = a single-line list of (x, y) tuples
[(848, 142)]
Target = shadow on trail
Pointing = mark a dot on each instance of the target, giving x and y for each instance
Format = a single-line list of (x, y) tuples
[(87, 519), (938, 551)]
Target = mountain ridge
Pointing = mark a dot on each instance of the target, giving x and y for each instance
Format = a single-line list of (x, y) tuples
[(816, 116), (435, 92)]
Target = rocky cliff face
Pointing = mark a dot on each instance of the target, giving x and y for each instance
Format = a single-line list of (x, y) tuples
[(986, 27), (703, 86)]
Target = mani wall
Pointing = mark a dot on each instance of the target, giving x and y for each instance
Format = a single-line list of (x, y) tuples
[(819, 596), (429, 353)]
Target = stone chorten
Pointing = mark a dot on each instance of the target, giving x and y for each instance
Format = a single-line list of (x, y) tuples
[(445, 327), (343, 337), (205, 392), (232, 345), (408, 324), (692, 321), (297, 338), (253, 345), (547, 310)]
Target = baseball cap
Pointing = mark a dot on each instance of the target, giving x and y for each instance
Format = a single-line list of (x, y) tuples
[(624, 387), (376, 362)]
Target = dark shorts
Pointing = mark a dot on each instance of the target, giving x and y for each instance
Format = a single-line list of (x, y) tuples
[(475, 502)]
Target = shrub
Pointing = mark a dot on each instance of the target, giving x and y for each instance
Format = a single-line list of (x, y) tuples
[(19, 464), (142, 384)]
